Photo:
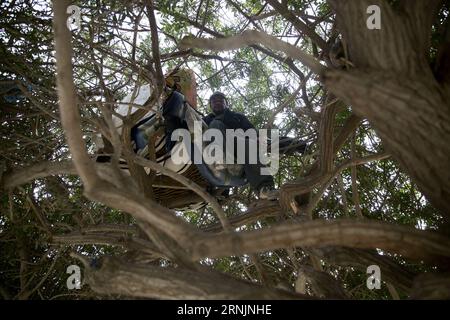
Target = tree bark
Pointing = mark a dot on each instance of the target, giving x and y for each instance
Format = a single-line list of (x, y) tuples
[(393, 86), (131, 280)]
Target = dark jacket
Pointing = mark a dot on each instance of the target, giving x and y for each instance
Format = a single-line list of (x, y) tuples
[(231, 119)]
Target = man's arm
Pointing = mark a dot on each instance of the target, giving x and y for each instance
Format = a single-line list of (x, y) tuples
[(244, 123), (208, 118)]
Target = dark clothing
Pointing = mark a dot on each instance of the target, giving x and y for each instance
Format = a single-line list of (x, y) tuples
[(234, 120), (231, 119)]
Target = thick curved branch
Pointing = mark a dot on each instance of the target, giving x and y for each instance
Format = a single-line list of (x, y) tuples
[(21, 176), (70, 115), (251, 37), (391, 103), (407, 241), (131, 243), (146, 210), (118, 277)]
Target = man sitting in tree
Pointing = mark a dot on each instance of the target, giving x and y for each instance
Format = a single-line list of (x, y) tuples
[(223, 118)]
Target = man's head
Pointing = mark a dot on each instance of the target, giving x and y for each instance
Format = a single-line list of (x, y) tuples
[(218, 102)]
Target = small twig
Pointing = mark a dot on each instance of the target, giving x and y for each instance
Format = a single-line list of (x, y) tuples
[(298, 24), (155, 46), (343, 194), (23, 295), (329, 179)]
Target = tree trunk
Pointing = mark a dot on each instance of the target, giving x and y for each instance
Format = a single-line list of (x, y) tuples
[(393, 86)]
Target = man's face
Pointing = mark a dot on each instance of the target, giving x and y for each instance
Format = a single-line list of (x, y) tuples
[(218, 104)]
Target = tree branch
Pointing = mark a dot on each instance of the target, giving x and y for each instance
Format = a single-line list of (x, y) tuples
[(70, 115), (298, 24), (251, 37), (21, 176), (118, 277), (407, 241), (190, 184)]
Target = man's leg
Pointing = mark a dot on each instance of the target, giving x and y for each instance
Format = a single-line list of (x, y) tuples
[(255, 178), (253, 172), (219, 125)]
